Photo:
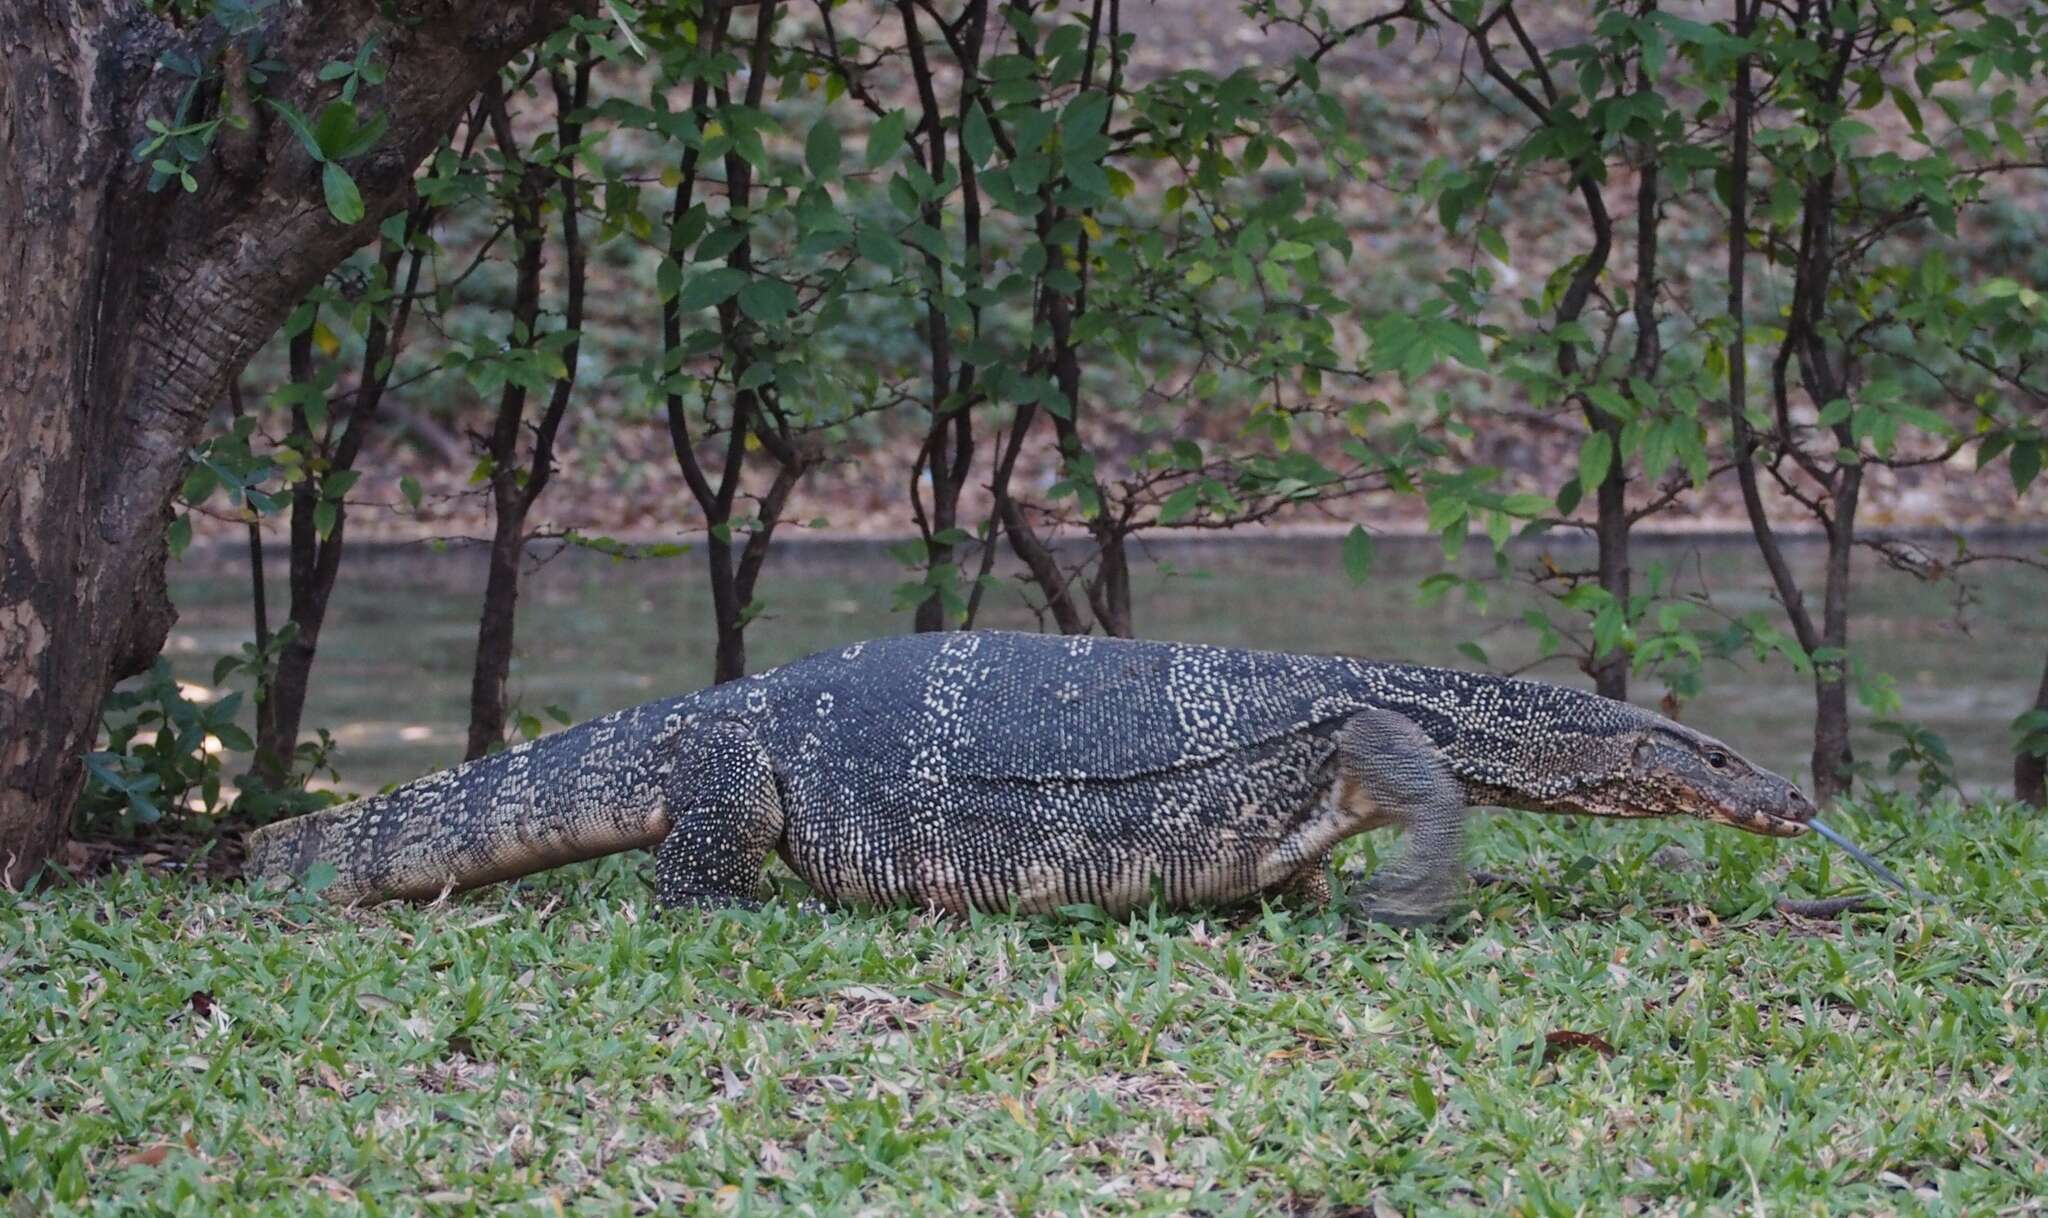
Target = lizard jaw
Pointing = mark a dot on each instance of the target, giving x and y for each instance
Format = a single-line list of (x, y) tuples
[(1789, 818), (1763, 823)]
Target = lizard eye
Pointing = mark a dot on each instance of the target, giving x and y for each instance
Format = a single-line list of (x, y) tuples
[(1717, 759)]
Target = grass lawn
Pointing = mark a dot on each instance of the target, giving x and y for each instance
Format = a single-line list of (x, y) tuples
[(1626, 1026)]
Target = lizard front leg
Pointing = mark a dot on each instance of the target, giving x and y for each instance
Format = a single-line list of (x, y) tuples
[(725, 815), (1396, 766)]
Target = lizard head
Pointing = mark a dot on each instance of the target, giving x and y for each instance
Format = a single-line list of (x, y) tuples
[(1675, 771)]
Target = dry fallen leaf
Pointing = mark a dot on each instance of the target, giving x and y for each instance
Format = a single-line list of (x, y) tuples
[(867, 992), (1562, 1040), (148, 1156)]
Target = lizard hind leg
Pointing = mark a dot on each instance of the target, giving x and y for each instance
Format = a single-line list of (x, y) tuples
[(1308, 888), (1396, 766), (725, 815)]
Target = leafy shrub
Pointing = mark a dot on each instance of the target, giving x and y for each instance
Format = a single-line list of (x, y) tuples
[(167, 757)]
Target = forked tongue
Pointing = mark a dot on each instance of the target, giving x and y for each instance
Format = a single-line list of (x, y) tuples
[(1856, 852)]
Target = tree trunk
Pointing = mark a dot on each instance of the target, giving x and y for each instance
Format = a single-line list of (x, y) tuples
[(730, 662), (278, 738), (2030, 770), (127, 312), (1832, 758), (1037, 557), (510, 493), (1610, 671), (316, 560), (262, 768), (1109, 593), (1831, 755), (950, 445), (487, 698), (948, 451), (515, 488), (1109, 590)]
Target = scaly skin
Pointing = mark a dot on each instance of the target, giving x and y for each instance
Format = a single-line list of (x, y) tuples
[(1001, 771)]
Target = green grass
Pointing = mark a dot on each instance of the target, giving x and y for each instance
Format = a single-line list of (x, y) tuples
[(560, 1046)]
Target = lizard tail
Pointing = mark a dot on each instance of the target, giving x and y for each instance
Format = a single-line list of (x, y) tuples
[(559, 800)]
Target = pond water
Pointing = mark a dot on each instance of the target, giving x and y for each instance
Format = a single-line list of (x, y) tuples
[(597, 634)]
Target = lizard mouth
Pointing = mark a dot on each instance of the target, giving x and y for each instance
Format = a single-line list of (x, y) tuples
[(1792, 821), (1767, 824), (1784, 815)]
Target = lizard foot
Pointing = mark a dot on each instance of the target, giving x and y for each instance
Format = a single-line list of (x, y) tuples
[(1404, 907), (1402, 920)]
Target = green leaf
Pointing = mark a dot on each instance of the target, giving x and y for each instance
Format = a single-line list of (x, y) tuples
[(1358, 554), (821, 149), (879, 248), (300, 127), (2025, 464), (1425, 1096), (721, 241), (885, 140), (344, 201), (1084, 115), (199, 485), (317, 877), (1609, 401), (1596, 453), (712, 287), (767, 299), (362, 139), (409, 487), (1462, 342), (1179, 504), (1499, 527), (976, 137), (334, 127)]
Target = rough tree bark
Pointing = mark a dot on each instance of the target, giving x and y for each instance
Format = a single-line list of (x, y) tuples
[(124, 314)]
